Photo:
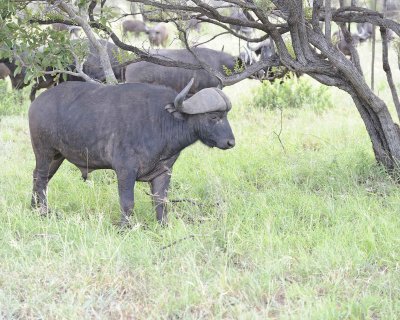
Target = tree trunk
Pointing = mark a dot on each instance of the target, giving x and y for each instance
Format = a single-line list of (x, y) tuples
[(383, 132), (102, 51)]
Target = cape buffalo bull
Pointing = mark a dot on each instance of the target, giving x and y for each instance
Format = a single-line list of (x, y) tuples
[(138, 130), (175, 77)]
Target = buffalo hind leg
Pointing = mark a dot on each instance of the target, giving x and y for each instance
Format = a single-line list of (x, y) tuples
[(40, 180), (45, 169), (159, 191), (126, 183), (55, 165)]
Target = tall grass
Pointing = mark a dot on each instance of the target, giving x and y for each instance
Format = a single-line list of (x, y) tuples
[(12, 102), (303, 229), (292, 92)]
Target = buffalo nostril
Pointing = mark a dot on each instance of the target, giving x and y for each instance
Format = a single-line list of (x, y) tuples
[(231, 143)]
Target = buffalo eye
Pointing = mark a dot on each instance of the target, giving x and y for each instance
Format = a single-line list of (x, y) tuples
[(214, 117)]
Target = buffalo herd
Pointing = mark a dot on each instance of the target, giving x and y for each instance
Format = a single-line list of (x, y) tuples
[(137, 128)]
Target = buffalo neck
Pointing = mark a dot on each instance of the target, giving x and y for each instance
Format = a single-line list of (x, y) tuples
[(177, 134)]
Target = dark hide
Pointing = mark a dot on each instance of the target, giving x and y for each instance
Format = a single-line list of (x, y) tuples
[(176, 78), (124, 127)]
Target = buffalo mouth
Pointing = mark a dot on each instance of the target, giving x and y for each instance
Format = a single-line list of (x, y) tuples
[(225, 146), (209, 143), (220, 145)]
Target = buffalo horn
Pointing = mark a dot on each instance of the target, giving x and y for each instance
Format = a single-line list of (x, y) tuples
[(178, 103), (206, 100), (249, 56), (256, 46)]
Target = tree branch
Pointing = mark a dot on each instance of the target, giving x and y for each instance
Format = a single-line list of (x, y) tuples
[(102, 51)]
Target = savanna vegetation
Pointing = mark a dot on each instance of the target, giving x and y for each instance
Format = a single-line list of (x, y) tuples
[(305, 232), (298, 221)]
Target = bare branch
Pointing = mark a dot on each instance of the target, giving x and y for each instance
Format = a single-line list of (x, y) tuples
[(102, 51), (388, 71), (278, 135), (211, 39), (328, 17)]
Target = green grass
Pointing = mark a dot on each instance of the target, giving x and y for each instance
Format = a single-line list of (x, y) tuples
[(311, 232)]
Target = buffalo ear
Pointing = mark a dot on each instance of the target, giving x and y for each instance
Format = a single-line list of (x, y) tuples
[(171, 109)]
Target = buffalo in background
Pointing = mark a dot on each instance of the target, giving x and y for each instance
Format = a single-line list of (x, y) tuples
[(73, 30), (134, 26), (158, 35), (341, 43), (175, 77)]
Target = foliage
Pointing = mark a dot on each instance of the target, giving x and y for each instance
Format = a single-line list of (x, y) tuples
[(38, 48), (49, 48), (237, 68), (153, 13), (292, 92), (265, 5), (289, 47)]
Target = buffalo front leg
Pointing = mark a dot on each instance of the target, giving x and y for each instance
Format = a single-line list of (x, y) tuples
[(159, 191), (126, 183)]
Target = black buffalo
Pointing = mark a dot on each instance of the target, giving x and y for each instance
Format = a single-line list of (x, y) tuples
[(175, 77), (138, 130)]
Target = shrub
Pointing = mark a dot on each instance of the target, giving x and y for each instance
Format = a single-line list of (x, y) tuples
[(292, 93)]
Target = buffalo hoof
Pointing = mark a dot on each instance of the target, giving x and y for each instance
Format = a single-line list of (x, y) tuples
[(127, 226), (163, 222), (45, 212), (124, 225)]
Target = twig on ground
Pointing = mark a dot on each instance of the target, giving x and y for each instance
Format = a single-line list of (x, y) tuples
[(177, 241), (184, 200), (278, 135)]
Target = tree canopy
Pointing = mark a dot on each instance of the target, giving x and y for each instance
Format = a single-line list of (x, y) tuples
[(301, 32)]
